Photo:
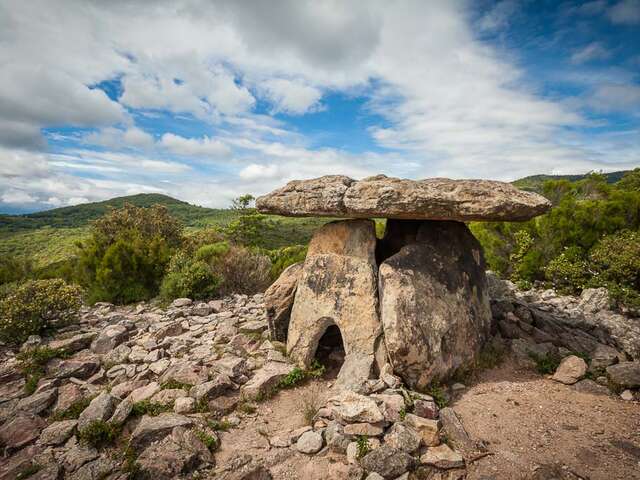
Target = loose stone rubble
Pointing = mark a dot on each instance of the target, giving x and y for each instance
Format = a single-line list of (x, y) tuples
[(194, 359)]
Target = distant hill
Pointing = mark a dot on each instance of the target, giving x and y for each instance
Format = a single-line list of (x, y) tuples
[(81, 215), (533, 183)]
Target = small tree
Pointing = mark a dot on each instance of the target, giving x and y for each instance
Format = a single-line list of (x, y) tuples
[(242, 203)]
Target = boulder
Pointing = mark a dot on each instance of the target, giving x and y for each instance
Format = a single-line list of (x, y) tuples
[(57, 432), (21, 430), (434, 303), (265, 379), (309, 442), (338, 287), (109, 338), (101, 408), (178, 454), (278, 300), (442, 457), (81, 368), (212, 389), (385, 197), (73, 344), (570, 370), (352, 407), (151, 429), (38, 402), (625, 374), (427, 429), (387, 461), (403, 438)]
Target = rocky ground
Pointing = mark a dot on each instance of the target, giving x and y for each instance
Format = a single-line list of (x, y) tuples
[(198, 391)]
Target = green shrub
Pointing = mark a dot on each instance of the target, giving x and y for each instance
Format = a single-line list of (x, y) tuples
[(126, 256), (249, 229), (212, 252), (37, 307), (189, 277), (14, 270), (285, 257), (617, 259), (147, 407), (29, 471), (438, 394), (210, 441), (99, 434), (568, 272), (32, 363), (73, 411), (546, 364)]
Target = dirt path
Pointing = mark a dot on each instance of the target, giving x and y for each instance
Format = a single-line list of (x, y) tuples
[(535, 426)]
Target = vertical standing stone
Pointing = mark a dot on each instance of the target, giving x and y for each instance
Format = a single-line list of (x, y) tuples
[(338, 287), (434, 303)]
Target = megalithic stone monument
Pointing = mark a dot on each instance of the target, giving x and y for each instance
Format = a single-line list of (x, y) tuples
[(417, 298)]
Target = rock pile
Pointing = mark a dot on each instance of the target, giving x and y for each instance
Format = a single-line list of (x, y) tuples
[(417, 298), (153, 377)]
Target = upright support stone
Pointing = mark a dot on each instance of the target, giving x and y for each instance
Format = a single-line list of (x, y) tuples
[(338, 287), (278, 300), (434, 303)]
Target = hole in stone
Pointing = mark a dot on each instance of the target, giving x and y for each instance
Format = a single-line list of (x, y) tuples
[(330, 351)]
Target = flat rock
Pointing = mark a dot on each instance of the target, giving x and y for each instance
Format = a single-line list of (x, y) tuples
[(21, 430), (57, 432), (151, 429), (73, 344), (570, 370), (403, 438), (625, 374), (109, 338), (386, 197), (352, 407), (265, 379), (211, 389), (442, 457), (38, 402), (427, 428)]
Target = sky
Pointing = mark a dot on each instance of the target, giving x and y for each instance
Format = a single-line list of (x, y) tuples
[(205, 100)]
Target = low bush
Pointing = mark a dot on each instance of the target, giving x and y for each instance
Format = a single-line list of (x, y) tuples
[(284, 257), (32, 363), (546, 364), (73, 411), (210, 441), (189, 277), (37, 307), (244, 271), (147, 407), (99, 434)]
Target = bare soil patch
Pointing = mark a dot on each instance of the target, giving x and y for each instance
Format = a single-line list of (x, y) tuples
[(537, 428)]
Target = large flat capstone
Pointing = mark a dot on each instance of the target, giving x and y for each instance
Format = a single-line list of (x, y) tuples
[(385, 197)]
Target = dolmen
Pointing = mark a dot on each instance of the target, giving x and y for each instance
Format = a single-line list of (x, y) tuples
[(415, 299)]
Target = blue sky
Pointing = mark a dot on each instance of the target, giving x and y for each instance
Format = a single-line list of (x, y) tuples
[(207, 100)]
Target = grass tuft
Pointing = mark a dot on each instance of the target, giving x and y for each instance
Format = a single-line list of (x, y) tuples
[(32, 363), (99, 434), (147, 407)]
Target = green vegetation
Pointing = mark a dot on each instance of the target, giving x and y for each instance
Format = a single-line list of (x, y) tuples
[(147, 407), (438, 394), (210, 441), (219, 425), (245, 407), (172, 384), (99, 434), (73, 411), (32, 363), (362, 444), (589, 239), (29, 471), (546, 364), (37, 307)]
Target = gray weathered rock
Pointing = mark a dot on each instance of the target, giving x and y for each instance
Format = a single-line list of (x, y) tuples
[(100, 408), (212, 389), (278, 299), (38, 402), (57, 432), (351, 407), (179, 453), (434, 303), (570, 370), (625, 374), (403, 438), (309, 442), (265, 379), (73, 344), (387, 461), (338, 287), (151, 429), (109, 338), (381, 196)]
